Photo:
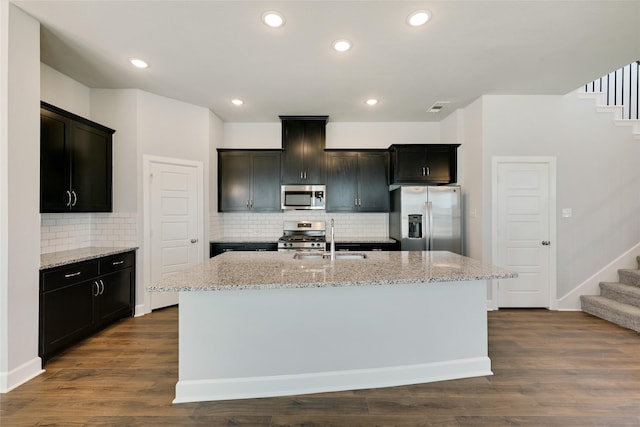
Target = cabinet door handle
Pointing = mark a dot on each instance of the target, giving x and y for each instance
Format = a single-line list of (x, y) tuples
[(251, 204), (117, 262), (68, 198), (75, 198), (305, 175), (77, 273), (355, 202), (424, 171), (97, 288), (301, 175), (102, 289), (247, 204), (428, 172)]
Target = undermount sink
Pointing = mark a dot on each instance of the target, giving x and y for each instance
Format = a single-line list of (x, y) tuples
[(326, 255)]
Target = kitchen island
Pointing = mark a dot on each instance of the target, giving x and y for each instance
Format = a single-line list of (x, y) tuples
[(268, 324)]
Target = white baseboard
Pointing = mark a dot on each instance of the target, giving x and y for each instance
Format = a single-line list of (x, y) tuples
[(140, 310), (286, 385), (20, 375), (591, 286)]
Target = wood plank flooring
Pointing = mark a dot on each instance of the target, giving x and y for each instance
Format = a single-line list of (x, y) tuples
[(550, 369)]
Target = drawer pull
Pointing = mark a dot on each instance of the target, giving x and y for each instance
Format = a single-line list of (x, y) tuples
[(118, 262), (77, 273)]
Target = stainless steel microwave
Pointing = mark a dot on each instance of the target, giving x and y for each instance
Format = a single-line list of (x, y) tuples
[(303, 197)]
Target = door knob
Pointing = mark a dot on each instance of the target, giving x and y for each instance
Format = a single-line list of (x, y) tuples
[(194, 240), (546, 243)]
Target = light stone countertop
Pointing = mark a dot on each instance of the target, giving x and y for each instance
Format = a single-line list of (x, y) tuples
[(342, 240), (279, 270), (56, 259)]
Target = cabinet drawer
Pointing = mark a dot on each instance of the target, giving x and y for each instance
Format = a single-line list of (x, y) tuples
[(68, 275), (117, 262)]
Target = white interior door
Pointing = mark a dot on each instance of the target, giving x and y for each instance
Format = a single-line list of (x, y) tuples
[(174, 226), (524, 231)]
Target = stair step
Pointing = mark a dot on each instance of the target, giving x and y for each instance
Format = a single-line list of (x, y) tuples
[(624, 315), (629, 277), (620, 292)]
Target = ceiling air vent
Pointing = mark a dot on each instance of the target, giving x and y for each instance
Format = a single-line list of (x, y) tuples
[(437, 107)]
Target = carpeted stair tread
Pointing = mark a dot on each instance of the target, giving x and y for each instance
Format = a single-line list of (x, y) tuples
[(625, 315), (626, 294), (629, 277)]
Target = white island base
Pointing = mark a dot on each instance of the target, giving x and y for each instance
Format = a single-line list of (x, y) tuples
[(274, 342)]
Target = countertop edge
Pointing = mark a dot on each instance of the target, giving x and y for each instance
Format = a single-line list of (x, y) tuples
[(270, 286), (58, 259)]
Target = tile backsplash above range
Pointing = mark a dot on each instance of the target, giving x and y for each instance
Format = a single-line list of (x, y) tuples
[(268, 226)]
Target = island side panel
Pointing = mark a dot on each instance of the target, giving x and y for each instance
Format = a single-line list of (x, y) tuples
[(257, 343)]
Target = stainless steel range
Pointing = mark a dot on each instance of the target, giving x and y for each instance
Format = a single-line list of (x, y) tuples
[(303, 236)]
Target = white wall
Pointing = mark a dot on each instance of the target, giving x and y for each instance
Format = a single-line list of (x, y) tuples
[(118, 110), (354, 135), (20, 220), (252, 135), (59, 90), (380, 135), (597, 175)]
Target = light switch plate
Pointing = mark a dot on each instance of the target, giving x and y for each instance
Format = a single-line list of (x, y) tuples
[(567, 213)]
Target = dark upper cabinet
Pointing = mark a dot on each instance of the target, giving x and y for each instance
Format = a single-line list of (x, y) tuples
[(357, 181), (75, 163), (303, 143), (423, 164), (248, 180)]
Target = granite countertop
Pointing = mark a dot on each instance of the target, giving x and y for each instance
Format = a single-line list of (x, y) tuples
[(56, 259), (278, 270), (341, 240)]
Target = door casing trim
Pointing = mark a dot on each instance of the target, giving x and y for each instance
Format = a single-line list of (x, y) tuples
[(551, 161), (147, 162)]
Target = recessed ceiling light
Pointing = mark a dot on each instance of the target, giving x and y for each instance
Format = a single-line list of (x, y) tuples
[(138, 63), (237, 102), (418, 18), (273, 19), (371, 101), (342, 45)]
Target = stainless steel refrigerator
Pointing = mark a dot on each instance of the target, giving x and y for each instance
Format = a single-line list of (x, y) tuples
[(427, 218)]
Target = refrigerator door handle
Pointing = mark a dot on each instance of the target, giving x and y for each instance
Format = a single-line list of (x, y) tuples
[(427, 231), (429, 219)]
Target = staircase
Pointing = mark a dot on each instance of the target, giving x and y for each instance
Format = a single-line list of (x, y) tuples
[(619, 93), (618, 302)]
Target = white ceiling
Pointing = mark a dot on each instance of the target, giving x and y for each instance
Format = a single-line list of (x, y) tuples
[(209, 52)]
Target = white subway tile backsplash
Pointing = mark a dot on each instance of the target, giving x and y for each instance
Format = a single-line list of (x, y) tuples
[(65, 231), (268, 226)]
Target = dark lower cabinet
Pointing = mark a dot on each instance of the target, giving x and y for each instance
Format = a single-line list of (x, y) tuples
[(81, 298), (367, 246), (220, 248)]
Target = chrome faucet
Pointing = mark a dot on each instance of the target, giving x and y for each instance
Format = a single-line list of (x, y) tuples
[(332, 246)]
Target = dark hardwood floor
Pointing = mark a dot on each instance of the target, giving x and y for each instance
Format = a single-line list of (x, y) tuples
[(550, 369)]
